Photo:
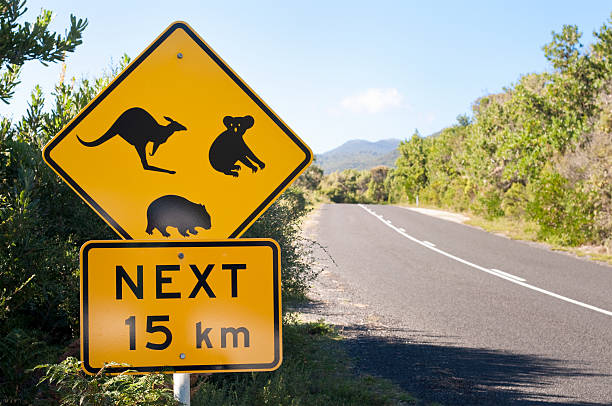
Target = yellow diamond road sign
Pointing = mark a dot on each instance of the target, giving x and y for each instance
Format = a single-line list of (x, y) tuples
[(181, 306), (178, 146)]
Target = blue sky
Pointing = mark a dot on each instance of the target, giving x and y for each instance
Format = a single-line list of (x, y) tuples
[(336, 70)]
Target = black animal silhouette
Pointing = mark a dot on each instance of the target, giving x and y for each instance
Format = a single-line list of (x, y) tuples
[(138, 128), (176, 211), (229, 147)]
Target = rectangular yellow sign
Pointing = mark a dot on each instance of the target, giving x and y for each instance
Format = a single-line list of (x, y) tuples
[(178, 306)]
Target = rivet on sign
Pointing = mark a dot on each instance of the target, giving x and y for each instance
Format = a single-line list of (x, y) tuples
[(182, 356), (179, 55), (181, 255)]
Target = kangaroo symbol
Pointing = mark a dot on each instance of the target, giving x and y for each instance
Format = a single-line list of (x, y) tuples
[(229, 147), (138, 128)]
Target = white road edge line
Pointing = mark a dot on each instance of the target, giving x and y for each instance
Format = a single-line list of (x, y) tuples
[(518, 278), (480, 268), (431, 244)]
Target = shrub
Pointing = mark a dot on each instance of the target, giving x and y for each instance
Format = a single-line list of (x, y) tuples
[(20, 350), (348, 186), (489, 204), (515, 201), (563, 213), (377, 191)]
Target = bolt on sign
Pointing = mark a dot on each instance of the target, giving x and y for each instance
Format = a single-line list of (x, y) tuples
[(181, 306), (178, 146)]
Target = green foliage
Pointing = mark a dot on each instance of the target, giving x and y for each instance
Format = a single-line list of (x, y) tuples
[(489, 203), (410, 168), (76, 388), (20, 43), (310, 179), (514, 201), (563, 213), (377, 191), (20, 350), (42, 226), (348, 186), (42, 222), (564, 50)]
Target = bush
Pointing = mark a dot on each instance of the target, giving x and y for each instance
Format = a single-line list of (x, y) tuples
[(514, 202), (377, 191), (20, 350), (489, 204), (42, 226), (587, 168), (310, 179), (563, 213), (348, 186)]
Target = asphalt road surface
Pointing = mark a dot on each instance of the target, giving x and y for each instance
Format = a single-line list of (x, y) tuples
[(471, 317)]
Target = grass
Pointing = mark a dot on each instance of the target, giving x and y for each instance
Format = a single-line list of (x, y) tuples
[(593, 253), (315, 371), (528, 231), (511, 228)]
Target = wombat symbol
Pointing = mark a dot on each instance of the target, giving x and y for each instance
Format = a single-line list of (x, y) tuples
[(176, 211), (229, 147), (138, 128)]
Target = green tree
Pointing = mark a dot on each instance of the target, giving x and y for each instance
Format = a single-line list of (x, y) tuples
[(311, 178), (410, 175), (377, 191), (20, 43), (348, 186), (565, 47)]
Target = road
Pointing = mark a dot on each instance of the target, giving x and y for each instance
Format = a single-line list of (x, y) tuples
[(470, 317)]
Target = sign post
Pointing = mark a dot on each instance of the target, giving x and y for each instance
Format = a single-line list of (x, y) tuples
[(182, 388), (177, 155)]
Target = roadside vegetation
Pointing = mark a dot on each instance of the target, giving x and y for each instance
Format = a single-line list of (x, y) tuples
[(535, 158), (42, 226)]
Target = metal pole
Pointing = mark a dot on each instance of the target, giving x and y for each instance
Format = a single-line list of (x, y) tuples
[(181, 388)]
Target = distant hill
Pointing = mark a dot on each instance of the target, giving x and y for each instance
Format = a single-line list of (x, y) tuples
[(359, 154)]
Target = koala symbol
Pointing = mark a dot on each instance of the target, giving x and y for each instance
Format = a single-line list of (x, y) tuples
[(229, 147)]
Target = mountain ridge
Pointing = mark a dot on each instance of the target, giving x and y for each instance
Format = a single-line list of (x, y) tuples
[(359, 154)]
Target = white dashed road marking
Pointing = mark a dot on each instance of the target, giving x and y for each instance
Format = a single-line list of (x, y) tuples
[(509, 275)]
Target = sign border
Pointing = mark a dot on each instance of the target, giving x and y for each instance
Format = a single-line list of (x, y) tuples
[(243, 242), (122, 76)]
